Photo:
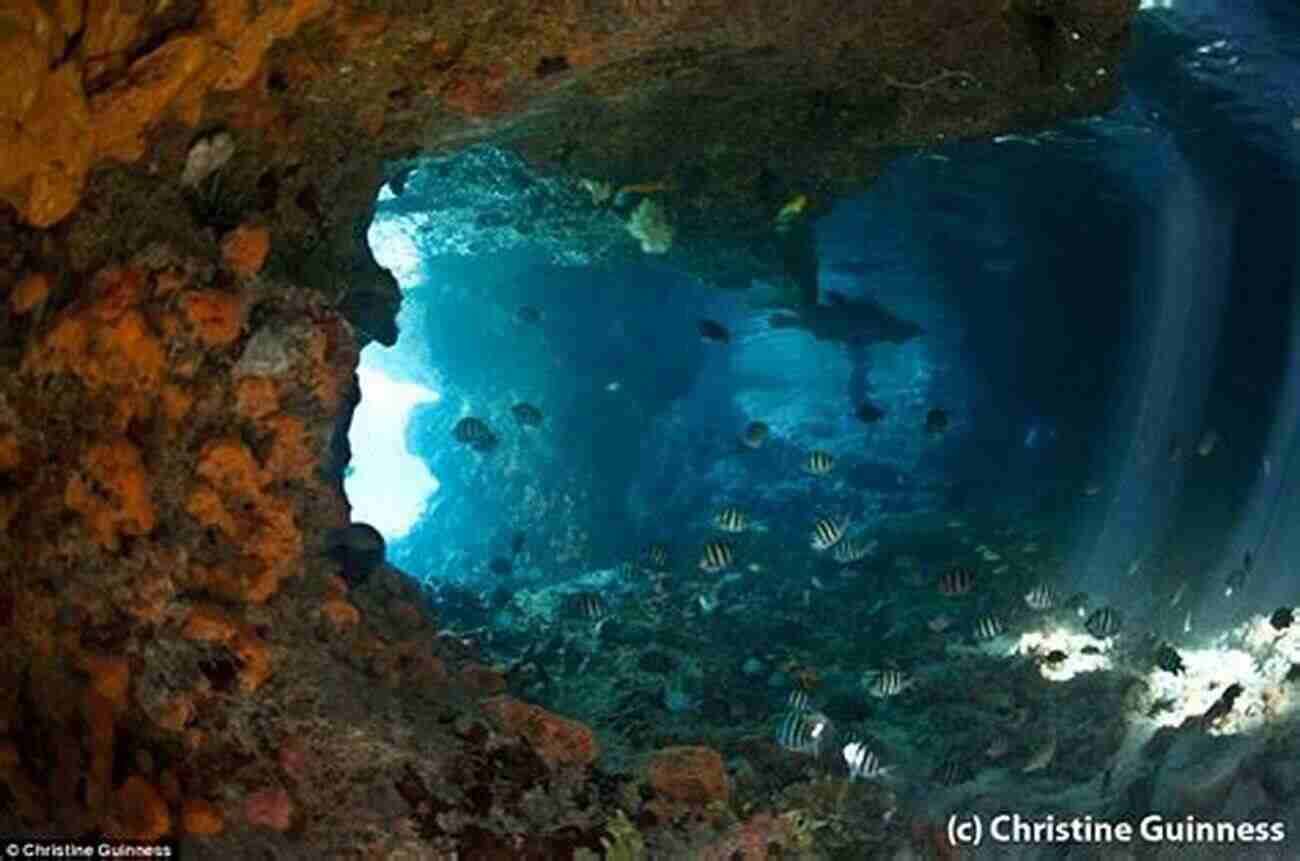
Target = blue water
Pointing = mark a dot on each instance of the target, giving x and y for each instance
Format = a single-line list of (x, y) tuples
[(1094, 300)]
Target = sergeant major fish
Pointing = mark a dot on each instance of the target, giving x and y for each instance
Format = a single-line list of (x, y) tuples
[(818, 462), (717, 556), (827, 531)]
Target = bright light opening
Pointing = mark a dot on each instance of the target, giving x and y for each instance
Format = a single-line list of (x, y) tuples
[(395, 250), (1256, 656), (388, 486), (1044, 643)]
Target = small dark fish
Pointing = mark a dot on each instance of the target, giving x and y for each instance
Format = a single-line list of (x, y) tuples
[(1090, 650), (1054, 657), (527, 415), (1104, 623), (1282, 618), (1175, 450), (818, 462), (1248, 562), (756, 433), (657, 556), (957, 581), (589, 605), (475, 433), (717, 556), (517, 543), (1223, 705), (501, 565), (1168, 659), (1236, 580), (989, 628), (869, 413), (530, 314), (936, 422), (712, 330), (827, 531)]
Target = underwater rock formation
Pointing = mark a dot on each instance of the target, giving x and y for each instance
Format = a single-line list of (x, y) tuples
[(186, 286)]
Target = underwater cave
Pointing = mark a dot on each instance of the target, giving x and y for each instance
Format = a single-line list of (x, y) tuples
[(674, 435)]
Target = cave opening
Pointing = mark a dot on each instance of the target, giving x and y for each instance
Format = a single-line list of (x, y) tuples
[(386, 485)]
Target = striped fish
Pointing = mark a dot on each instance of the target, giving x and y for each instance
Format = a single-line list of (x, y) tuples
[(656, 555), (474, 433), (989, 628), (588, 605), (717, 556), (1042, 597), (798, 700), (863, 764), (827, 531), (802, 731), (1104, 623), (888, 683), (818, 462), (957, 581), (951, 772), (731, 519), (853, 549)]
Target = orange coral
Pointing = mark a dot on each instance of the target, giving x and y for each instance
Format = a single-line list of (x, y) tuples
[(123, 353), (201, 818), (557, 740), (176, 402), (692, 775), (209, 624), (340, 614), (30, 292), (244, 250), (123, 113), (256, 397), (291, 455), (115, 289), (110, 677), (279, 539), (256, 660), (205, 506), (114, 495), (229, 466), (215, 316)]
